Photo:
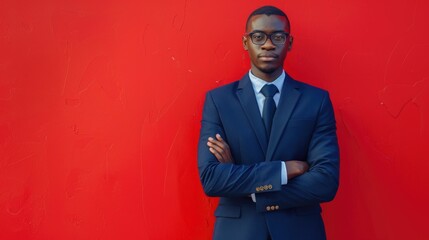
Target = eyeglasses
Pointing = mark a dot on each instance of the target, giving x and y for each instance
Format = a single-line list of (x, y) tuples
[(260, 38)]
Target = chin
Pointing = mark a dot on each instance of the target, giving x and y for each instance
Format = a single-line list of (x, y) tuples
[(268, 70)]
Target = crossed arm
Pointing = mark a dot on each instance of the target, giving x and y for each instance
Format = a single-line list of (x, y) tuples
[(220, 149), (220, 176)]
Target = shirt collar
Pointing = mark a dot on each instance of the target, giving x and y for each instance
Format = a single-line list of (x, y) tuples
[(258, 83)]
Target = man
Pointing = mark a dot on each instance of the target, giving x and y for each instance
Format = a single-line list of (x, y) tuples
[(268, 146)]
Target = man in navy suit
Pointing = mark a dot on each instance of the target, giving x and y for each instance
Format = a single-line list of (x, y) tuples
[(268, 146)]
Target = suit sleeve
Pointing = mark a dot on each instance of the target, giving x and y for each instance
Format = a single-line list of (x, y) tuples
[(321, 182), (230, 180)]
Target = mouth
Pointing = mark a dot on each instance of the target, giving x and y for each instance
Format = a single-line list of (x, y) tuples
[(268, 57)]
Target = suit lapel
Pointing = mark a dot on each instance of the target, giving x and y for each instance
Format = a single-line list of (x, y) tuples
[(246, 96), (288, 100)]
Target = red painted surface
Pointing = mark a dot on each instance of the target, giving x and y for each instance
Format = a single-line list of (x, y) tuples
[(100, 103)]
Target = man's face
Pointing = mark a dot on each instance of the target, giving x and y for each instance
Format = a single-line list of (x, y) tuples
[(267, 59)]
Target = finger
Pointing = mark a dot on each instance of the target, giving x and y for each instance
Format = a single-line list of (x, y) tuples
[(218, 149), (220, 139), (217, 155), (218, 143), (215, 147), (210, 139)]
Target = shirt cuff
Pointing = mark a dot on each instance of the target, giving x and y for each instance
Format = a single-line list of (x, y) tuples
[(284, 173), (253, 197)]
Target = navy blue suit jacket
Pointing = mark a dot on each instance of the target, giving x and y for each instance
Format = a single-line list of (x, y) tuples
[(303, 129)]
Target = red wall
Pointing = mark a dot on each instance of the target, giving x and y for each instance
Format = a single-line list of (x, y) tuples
[(100, 103)]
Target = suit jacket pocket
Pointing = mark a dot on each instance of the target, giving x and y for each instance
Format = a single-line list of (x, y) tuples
[(230, 211)]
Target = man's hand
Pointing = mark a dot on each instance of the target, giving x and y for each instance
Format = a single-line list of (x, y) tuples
[(220, 149), (296, 168)]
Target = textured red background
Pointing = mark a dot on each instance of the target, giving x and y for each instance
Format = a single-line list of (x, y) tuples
[(100, 103)]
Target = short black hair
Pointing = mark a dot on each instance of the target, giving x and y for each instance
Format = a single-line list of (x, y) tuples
[(267, 10)]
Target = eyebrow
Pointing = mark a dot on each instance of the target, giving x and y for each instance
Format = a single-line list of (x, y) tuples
[(256, 31)]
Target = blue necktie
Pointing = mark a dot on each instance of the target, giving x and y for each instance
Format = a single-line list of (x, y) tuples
[(269, 90)]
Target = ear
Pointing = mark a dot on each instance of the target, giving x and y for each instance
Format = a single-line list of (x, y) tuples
[(245, 42), (290, 43)]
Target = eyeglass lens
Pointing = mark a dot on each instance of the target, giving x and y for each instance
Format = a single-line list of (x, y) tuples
[(259, 38)]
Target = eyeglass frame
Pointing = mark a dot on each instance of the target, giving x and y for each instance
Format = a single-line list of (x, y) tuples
[(268, 37)]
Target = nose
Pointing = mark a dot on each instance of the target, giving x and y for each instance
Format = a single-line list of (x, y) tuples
[(268, 45)]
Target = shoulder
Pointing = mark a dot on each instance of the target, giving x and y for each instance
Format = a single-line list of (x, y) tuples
[(223, 90)]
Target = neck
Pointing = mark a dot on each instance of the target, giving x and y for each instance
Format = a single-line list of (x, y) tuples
[(268, 77)]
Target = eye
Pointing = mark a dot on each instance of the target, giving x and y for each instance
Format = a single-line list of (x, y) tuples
[(279, 37), (258, 36)]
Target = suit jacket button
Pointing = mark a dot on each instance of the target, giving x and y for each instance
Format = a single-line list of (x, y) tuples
[(270, 186), (277, 207), (272, 207), (257, 189), (268, 208)]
